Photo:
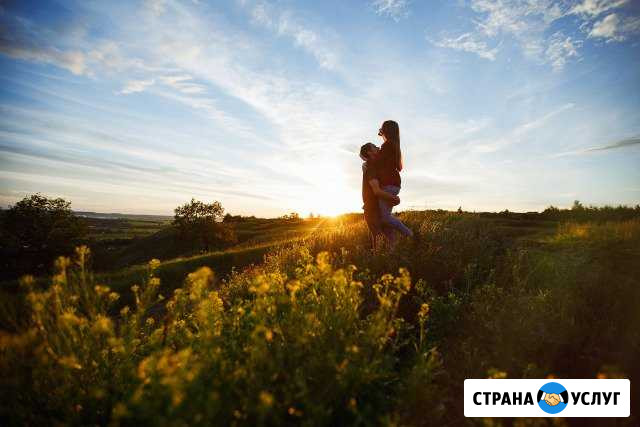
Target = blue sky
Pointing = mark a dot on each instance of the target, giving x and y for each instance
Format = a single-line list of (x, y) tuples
[(138, 106)]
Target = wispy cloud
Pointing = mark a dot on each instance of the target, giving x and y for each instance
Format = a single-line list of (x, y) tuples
[(18, 42), (560, 49), (184, 84), (594, 8), (618, 144), (528, 24), (614, 28), (519, 132), (395, 9), (286, 24), (134, 86), (467, 43), (23, 39), (622, 143), (180, 83)]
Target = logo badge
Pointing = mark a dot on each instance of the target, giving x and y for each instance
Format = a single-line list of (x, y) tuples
[(553, 398)]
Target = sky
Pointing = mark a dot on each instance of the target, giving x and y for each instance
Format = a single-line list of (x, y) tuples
[(138, 106)]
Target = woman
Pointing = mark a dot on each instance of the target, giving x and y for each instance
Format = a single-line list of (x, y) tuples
[(389, 165)]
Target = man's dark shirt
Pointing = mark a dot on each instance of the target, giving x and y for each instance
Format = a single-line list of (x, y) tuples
[(369, 199), (371, 209)]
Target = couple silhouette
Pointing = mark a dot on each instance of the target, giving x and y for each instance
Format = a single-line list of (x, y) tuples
[(381, 186)]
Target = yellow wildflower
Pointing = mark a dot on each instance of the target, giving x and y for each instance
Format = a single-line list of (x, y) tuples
[(69, 362), (119, 410), (102, 325), (424, 311), (70, 319), (266, 398), (154, 264)]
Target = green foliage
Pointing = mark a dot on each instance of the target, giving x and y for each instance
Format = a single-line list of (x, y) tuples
[(201, 223), (579, 212), (257, 358), (293, 216), (36, 230), (320, 334)]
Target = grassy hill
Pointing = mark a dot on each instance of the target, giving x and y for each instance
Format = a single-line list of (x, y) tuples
[(117, 243), (316, 329)]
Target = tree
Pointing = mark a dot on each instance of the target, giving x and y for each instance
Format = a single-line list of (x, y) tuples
[(203, 224), (293, 216), (35, 231)]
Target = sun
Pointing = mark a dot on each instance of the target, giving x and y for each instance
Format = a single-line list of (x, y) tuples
[(330, 202)]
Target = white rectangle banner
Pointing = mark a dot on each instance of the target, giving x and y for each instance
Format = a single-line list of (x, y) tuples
[(547, 398)]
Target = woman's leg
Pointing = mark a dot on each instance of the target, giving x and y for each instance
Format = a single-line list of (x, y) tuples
[(390, 234), (385, 212)]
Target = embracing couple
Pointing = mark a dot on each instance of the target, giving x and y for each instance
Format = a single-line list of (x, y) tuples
[(381, 185)]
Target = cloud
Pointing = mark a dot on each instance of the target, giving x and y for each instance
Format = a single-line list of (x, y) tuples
[(615, 28), (73, 61), (285, 23), (593, 8), (211, 110), (78, 151), (107, 56), (525, 22), (134, 86), (622, 143), (528, 23), (516, 17), (156, 7), (77, 157), (560, 48), (395, 9), (628, 142), (21, 38), (184, 84), (517, 134), (537, 123), (467, 43)]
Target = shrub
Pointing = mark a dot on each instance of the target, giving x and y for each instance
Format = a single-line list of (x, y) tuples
[(36, 230), (293, 346), (202, 224)]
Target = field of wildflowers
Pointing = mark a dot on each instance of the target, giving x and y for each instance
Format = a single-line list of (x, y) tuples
[(323, 332)]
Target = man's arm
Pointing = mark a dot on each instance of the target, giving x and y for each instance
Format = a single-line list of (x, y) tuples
[(375, 185)]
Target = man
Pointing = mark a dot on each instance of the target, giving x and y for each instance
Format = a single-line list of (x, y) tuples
[(371, 191)]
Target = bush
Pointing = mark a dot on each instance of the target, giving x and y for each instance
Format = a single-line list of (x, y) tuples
[(34, 232), (265, 355), (319, 334), (202, 224)]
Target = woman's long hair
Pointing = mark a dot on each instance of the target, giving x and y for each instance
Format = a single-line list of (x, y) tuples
[(391, 131)]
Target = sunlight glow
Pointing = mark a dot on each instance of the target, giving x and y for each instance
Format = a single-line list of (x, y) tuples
[(329, 202)]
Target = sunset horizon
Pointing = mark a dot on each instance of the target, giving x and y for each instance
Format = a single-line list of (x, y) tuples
[(138, 107)]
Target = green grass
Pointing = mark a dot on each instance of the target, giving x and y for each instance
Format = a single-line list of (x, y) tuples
[(174, 272), (309, 328), (122, 228), (119, 243)]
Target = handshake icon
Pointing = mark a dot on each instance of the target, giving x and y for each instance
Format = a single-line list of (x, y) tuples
[(552, 399)]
